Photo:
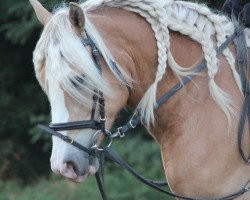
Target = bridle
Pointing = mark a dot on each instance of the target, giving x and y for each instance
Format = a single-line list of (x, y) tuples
[(99, 126), (98, 98)]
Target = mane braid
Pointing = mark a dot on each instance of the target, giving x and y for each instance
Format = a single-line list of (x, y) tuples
[(193, 20)]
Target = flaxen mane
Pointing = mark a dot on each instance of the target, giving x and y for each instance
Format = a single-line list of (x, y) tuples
[(190, 19)]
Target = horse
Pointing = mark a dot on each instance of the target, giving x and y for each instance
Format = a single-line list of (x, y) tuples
[(146, 48)]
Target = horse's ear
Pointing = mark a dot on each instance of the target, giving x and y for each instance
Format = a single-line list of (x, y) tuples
[(76, 17), (42, 14)]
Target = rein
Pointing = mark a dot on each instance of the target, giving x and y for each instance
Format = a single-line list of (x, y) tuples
[(136, 119)]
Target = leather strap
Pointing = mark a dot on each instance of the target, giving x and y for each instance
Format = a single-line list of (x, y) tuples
[(101, 187), (242, 60), (92, 124), (95, 98), (243, 67), (243, 117), (66, 139), (89, 42), (100, 176)]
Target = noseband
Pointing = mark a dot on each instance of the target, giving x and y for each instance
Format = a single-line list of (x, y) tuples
[(136, 119)]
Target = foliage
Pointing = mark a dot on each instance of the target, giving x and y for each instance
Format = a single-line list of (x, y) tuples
[(21, 99), (19, 22)]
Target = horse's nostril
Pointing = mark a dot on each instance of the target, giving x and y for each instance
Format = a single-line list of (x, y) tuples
[(74, 164), (71, 166)]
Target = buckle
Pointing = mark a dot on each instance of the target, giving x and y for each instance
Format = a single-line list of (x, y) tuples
[(70, 141), (118, 133), (103, 119), (131, 124), (121, 134)]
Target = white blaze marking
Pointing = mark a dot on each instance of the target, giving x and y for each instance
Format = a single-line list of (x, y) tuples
[(59, 114), (59, 111)]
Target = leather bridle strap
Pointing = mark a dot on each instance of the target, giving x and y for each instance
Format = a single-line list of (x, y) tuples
[(67, 139), (100, 175), (95, 98), (243, 117), (243, 67), (75, 125), (100, 183), (96, 55)]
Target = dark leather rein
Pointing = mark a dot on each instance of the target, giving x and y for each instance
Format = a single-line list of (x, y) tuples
[(136, 119)]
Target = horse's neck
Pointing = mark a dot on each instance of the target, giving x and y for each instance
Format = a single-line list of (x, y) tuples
[(190, 128), (194, 137)]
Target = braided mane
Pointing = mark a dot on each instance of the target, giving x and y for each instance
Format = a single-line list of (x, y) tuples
[(194, 20)]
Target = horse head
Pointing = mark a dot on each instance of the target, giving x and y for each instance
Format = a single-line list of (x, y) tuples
[(67, 73)]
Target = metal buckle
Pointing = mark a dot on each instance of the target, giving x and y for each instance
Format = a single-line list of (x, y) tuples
[(70, 141), (131, 124), (103, 119), (120, 133), (95, 146)]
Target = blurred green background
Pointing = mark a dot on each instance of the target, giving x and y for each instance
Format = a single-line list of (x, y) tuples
[(25, 151)]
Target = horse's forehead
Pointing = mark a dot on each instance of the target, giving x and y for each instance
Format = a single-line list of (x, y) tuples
[(59, 110)]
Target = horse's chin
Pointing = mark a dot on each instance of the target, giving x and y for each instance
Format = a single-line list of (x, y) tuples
[(79, 179)]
